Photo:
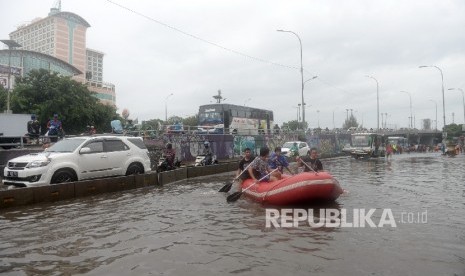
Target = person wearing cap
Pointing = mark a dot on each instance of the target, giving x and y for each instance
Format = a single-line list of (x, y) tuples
[(33, 128), (54, 127), (278, 161)]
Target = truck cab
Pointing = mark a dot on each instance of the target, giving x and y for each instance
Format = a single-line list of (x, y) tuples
[(367, 145)]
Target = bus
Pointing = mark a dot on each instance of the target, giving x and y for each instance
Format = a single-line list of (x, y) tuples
[(223, 118)]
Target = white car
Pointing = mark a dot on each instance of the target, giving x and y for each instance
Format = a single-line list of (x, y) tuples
[(79, 158), (302, 147)]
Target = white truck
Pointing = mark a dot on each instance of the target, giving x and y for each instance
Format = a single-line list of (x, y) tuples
[(13, 127)]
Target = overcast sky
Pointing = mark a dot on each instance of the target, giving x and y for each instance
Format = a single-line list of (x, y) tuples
[(194, 48)]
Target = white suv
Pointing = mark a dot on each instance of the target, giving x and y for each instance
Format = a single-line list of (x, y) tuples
[(302, 148), (79, 158)]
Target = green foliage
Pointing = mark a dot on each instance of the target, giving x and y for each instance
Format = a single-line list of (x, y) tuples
[(3, 97), (351, 122), (294, 125), (45, 94), (153, 124), (173, 119), (453, 130), (192, 121)]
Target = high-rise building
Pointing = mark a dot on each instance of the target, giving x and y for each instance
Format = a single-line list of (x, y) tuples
[(63, 35)]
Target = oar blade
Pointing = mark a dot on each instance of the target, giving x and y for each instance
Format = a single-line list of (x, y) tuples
[(225, 188), (234, 197)]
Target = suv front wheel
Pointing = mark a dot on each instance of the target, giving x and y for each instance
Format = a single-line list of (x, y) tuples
[(62, 176), (134, 168)]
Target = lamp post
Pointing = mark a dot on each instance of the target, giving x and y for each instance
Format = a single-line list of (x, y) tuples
[(444, 134), (11, 45), (385, 120), (301, 73), (436, 114), (298, 117), (318, 115), (298, 111), (377, 101), (463, 101), (166, 107), (411, 116)]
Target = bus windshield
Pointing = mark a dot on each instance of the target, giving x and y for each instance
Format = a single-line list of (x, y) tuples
[(361, 141), (210, 118)]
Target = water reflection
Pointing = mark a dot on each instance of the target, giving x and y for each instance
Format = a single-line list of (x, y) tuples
[(188, 228)]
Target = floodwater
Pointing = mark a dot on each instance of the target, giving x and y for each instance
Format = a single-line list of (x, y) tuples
[(187, 228)]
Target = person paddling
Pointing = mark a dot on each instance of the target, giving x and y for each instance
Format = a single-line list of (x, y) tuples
[(311, 159), (245, 161), (259, 168)]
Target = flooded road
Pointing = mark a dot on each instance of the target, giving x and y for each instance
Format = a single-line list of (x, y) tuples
[(187, 228)]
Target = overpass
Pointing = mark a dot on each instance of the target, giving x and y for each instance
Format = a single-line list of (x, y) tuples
[(416, 136)]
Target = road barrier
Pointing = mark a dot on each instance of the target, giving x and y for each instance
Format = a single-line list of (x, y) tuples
[(52, 193)]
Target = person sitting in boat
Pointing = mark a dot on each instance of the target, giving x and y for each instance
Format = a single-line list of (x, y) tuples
[(259, 168), (310, 162), (242, 175), (278, 161)]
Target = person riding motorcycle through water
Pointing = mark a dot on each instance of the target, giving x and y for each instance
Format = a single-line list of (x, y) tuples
[(169, 154), (55, 128)]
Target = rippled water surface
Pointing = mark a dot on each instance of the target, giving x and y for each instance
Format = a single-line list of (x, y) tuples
[(187, 228)]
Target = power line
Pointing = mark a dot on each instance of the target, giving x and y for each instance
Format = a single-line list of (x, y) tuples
[(202, 39)]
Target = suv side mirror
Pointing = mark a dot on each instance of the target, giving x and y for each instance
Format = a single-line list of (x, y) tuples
[(84, 150)]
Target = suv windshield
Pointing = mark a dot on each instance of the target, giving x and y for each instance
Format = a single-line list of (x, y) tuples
[(67, 145)]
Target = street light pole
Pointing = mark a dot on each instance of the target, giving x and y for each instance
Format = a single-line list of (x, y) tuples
[(443, 102), (301, 73), (436, 114), (377, 101), (166, 107), (411, 116), (463, 101), (318, 113), (11, 45)]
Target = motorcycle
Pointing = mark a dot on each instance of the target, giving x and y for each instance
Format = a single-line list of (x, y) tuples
[(205, 160), (163, 164)]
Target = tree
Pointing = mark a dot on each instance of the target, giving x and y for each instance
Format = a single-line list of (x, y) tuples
[(3, 97), (192, 121), (45, 94), (153, 124), (350, 122), (453, 130)]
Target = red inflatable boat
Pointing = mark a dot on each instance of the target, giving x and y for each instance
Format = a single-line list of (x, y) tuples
[(291, 189)]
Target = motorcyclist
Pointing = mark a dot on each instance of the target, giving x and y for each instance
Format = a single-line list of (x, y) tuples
[(55, 127), (207, 152), (33, 128)]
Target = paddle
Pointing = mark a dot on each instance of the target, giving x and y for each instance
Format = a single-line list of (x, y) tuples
[(235, 196), (310, 167), (228, 186)]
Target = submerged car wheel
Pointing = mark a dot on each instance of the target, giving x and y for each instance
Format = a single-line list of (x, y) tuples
[(63, 176), (134, 169)]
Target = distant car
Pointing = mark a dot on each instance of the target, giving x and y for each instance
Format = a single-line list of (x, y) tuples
[(79, 158), (302, 147), (176, 128)]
